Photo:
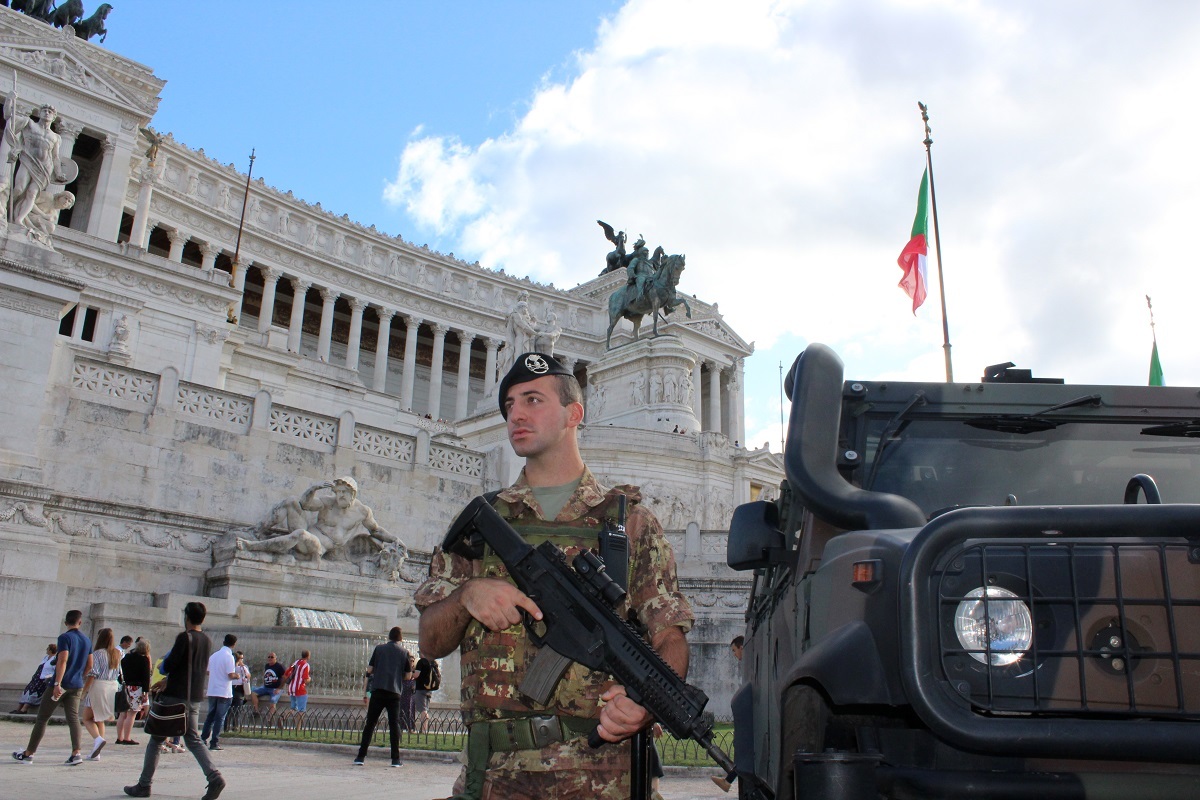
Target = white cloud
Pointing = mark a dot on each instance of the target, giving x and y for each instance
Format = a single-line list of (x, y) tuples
[(778, 144)]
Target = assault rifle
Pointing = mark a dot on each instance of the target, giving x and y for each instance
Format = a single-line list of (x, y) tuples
[(579, 623)]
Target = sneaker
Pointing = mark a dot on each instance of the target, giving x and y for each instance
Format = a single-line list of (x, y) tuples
[(97, 746), (397, 763), (74, 760), (137, 790), (22, 756), (215, 786), (215, 747), (358, 762)]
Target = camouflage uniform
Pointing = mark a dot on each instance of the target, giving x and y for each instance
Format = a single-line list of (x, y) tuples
[(494, 663)]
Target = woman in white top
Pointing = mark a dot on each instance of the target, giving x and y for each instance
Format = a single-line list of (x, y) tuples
[(241, 686), (100, 689)]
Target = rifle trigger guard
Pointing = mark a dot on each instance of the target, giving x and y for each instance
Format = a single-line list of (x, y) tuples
[(530, 627)]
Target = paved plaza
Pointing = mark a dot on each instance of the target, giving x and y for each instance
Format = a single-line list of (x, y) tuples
[(255, 769)]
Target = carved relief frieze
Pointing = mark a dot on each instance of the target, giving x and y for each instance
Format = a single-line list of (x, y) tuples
[(77, 525), (69, 69), (146, 283)]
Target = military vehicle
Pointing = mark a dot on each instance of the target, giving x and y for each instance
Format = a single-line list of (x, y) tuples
[(984, 590)]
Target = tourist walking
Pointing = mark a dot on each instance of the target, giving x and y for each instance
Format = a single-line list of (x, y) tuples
[(135, 674), (100, 689), (386, 673), (222, 671), (184, 667), (72, 660), (31, 695)]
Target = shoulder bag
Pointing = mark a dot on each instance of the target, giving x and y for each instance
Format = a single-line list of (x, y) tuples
[(170, 719)]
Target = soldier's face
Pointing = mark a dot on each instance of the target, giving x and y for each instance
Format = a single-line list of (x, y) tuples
[(537, 419)]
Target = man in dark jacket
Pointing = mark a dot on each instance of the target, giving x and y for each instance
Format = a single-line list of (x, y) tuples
[(385, 678), (185, 667)]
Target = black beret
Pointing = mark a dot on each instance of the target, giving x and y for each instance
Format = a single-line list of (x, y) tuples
[(528, 367)]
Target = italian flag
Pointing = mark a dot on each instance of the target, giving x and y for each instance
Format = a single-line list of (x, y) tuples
[(912, 258)]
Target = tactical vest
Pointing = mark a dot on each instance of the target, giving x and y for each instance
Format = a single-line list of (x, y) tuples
[(495, 662)]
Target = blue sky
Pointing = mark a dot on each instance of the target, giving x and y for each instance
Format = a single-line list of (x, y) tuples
[(775, 142)]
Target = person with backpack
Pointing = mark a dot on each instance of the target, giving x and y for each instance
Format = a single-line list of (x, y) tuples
[(429, 680)]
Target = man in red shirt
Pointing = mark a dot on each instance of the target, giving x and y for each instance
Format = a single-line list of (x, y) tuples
[(299, 676)]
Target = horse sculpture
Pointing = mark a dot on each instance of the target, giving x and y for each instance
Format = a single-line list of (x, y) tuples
[(658, 299), (69, 13), (93, 25)]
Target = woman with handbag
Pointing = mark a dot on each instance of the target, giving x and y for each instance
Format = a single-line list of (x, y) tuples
[(135, 668), (100, 689), (173, 712)]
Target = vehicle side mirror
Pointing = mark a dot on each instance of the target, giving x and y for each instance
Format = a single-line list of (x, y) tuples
[(754, 537)]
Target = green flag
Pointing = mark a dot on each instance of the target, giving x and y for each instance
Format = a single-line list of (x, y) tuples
[(1156, 375)]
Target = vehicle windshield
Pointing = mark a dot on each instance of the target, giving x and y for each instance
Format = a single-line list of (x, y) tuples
[(940, 464)]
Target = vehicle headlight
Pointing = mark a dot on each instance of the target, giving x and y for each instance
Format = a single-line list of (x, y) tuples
[(1000, 623)]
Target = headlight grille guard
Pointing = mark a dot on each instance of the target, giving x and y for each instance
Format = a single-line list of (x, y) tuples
[(1114, 667)]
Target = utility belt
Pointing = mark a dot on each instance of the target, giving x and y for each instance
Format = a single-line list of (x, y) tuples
[(530, 733)]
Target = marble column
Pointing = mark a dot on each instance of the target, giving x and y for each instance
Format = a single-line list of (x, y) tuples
[(352, 343), (489, 370), (567, 361), (737, 408), (96, 217), (68, 132), (411, 326), (141, 214), (208, 257), (382, 342), (714, 397), (464, 373), (266, 312), (697, 391), (296, 323), (435, 369), (328, 298), (77, 323), (178, 240)]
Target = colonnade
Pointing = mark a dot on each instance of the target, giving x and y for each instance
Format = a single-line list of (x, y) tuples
[(713, 414), (386, 317)]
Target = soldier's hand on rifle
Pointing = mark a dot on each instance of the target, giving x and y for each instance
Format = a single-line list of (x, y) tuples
[(620, 717), (496, 603)]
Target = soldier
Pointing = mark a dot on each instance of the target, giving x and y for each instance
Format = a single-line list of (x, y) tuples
[(518, 749)]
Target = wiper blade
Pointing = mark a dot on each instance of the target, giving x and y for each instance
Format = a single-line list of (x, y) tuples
[(1189, 429), (1029, 423), (890, 431)]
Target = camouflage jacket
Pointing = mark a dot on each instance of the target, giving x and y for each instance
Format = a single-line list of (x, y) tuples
[(494, 662)]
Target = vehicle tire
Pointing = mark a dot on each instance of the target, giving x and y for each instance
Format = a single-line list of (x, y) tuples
[(803, 723)]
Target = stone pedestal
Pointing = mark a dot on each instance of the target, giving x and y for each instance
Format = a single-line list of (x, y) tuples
[(645, 384), (33, 298), (263, 583)]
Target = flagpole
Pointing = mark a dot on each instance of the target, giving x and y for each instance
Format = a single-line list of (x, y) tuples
[(237, 246), (937, 239), (782, 430), (1153, 337)]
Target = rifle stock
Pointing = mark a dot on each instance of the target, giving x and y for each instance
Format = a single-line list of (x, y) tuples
[(580, 623)]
